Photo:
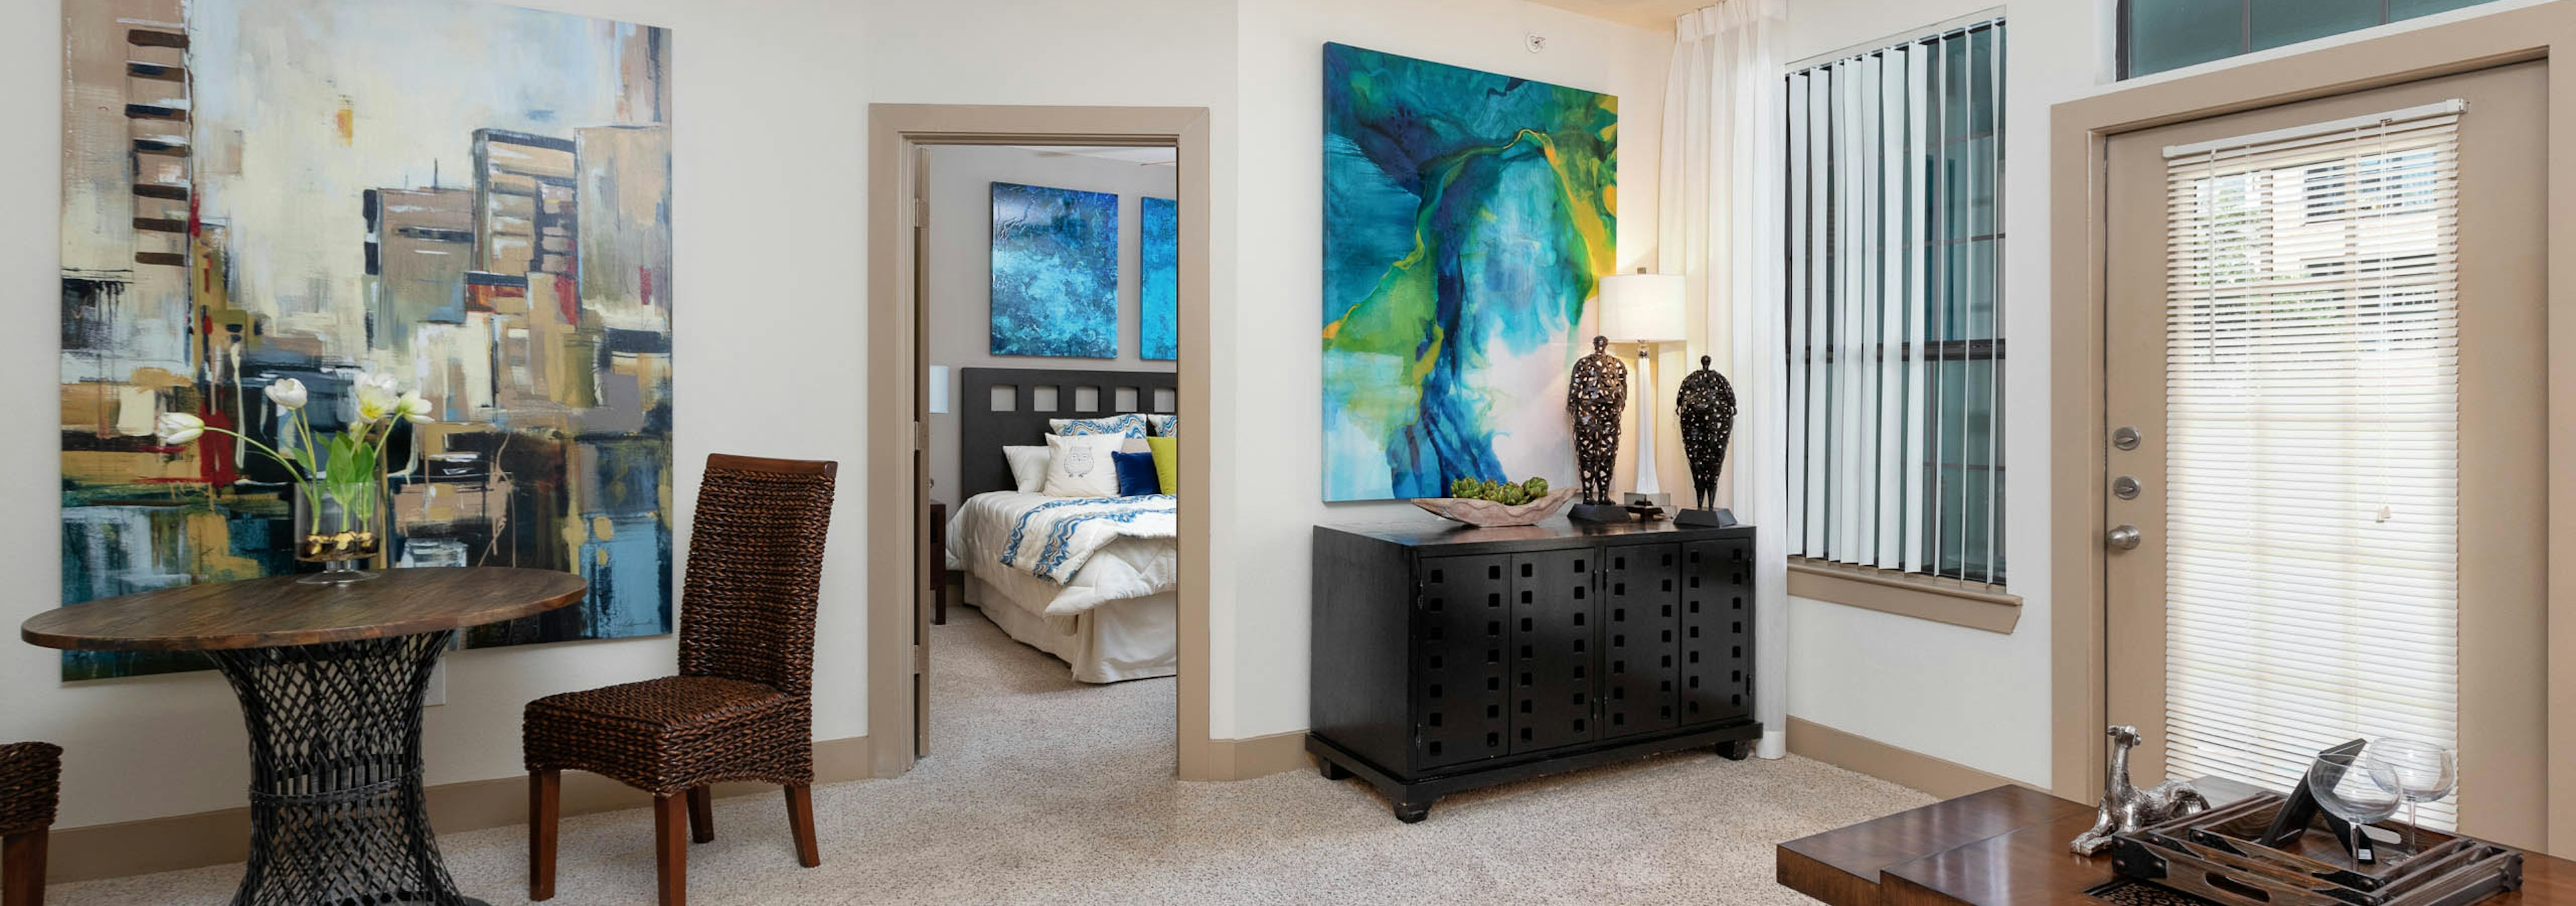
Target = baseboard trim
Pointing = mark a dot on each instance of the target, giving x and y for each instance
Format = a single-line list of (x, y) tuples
[(1259, 756), (1901, 766), (218, 837)]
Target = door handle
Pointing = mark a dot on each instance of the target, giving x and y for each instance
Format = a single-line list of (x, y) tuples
[(2124, 538)]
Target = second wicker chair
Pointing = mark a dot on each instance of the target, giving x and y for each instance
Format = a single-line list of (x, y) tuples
[(741, 708), (31, 783)]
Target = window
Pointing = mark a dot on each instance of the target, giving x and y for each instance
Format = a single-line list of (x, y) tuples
[(2157, 35), (2312, 349), (1895, 241)]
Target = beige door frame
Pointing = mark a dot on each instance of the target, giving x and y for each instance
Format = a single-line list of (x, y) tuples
[(2078, 132), (895, 523), (2501, 563)]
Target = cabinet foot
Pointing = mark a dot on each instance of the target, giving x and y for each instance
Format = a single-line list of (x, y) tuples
[(1412, 812), (1332, 771), (1735, 751)]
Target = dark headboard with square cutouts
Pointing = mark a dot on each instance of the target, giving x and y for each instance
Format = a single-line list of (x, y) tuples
[(1000, 407)]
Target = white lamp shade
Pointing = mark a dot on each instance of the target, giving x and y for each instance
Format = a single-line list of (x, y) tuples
[(938, 390), (1642, 308)]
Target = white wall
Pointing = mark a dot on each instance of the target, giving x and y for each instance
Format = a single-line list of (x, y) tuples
[(960, 253), (763, 93), (1973, 697), (1277, 458), (1258, 68)]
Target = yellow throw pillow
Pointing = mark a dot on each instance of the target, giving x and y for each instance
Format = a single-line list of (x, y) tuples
[(1167, 461)]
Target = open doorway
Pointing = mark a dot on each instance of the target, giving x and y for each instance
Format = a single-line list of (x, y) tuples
[(1048, 303), (998, 236)]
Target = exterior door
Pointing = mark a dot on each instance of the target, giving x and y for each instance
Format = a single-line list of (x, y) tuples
[(2277, 556)]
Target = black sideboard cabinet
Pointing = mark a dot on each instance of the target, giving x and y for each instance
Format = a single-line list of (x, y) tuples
[(1447, 658)]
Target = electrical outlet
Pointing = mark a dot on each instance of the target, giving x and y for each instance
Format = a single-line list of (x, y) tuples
[(1536, 42), (436, 693)]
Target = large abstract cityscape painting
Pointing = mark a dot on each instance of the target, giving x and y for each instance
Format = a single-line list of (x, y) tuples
[(1055, 272), (1467, 217), (1158, 286), (467, 199)]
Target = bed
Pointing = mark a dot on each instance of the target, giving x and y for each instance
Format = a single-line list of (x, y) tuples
[(1088, 580)]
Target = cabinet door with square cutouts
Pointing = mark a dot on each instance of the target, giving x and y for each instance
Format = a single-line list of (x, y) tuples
[(1640, 625), (1463, 630), (1717, 630), (1552, 679)]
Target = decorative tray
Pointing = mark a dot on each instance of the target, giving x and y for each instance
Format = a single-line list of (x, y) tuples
[(2212, 855), (1489, 514)]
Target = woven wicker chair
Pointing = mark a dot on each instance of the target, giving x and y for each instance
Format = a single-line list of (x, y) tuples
[(741, 708), (31, 782)]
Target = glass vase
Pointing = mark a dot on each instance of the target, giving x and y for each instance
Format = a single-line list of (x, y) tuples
[(340, 525)]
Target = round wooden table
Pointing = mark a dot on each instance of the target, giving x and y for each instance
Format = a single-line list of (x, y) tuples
[(330, 679)]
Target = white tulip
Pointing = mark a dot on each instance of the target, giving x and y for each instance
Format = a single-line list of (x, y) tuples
[(179, 427), (375, 401), (415, 409), (287, 393)]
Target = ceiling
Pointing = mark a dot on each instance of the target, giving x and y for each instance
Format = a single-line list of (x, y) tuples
[(1145, 157), (1654, 14)]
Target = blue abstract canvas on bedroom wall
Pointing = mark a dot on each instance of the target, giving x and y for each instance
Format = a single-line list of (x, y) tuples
[(1159, 287), (1055, 272), (1467, 218)]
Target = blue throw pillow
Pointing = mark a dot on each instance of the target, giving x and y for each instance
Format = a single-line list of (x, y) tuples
[(1127, 425), (1136, 474)]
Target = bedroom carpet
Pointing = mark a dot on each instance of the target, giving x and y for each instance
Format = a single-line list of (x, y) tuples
[(1042, 790)]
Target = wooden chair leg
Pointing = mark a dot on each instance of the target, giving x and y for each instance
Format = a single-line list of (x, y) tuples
[(22, 869), (702, 814), (545, 810), (800, 819), (671, 848)]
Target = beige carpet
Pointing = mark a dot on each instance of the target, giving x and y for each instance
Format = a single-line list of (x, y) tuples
[(1043, 790)]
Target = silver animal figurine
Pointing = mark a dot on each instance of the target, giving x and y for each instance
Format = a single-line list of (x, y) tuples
[(2125, 808)]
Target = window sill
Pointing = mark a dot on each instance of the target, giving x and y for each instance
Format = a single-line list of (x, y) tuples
[(1921, 597)]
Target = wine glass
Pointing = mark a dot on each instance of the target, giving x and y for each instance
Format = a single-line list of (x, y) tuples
[(2357, 787), (2425, 773)]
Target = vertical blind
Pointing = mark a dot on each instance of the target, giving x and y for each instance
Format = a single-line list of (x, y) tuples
[(2312, 463), (1895, 240)]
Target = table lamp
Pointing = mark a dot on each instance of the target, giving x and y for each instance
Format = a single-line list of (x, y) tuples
[(1645, 309)]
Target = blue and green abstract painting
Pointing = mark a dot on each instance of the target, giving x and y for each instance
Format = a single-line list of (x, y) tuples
[(1467, 218), (1159, 286), (1055, 272)]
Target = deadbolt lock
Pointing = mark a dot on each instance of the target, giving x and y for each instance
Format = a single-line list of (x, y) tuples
[(2125, 437), (2125, 488)]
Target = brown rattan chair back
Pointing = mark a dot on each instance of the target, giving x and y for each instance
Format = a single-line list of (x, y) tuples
[(756, 571)]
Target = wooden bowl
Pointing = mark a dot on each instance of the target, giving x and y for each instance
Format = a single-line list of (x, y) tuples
[(1488, 514)]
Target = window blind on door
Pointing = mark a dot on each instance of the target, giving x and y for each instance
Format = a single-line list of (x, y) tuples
[(1894, 187), (2312, 464)]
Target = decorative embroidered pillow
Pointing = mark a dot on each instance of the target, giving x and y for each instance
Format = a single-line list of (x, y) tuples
[(1167, 456), (1082, 465), (1127, 425), (1028, 468), (1136, 474), (1163, 425)]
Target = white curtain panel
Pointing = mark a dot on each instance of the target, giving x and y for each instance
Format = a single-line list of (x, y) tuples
[(1720, 230)]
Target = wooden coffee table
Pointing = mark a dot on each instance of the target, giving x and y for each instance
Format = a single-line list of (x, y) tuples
[(2007, 847), (330, 679)]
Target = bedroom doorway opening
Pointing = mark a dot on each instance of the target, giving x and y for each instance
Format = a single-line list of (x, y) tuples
[(1041, 274)]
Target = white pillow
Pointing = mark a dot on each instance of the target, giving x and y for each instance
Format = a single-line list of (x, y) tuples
[(1028, 467), (1081, 466)]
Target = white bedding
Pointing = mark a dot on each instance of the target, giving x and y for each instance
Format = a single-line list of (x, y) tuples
[(1121, 567)]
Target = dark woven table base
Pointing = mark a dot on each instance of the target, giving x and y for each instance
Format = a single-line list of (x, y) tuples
[(336, 811)]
